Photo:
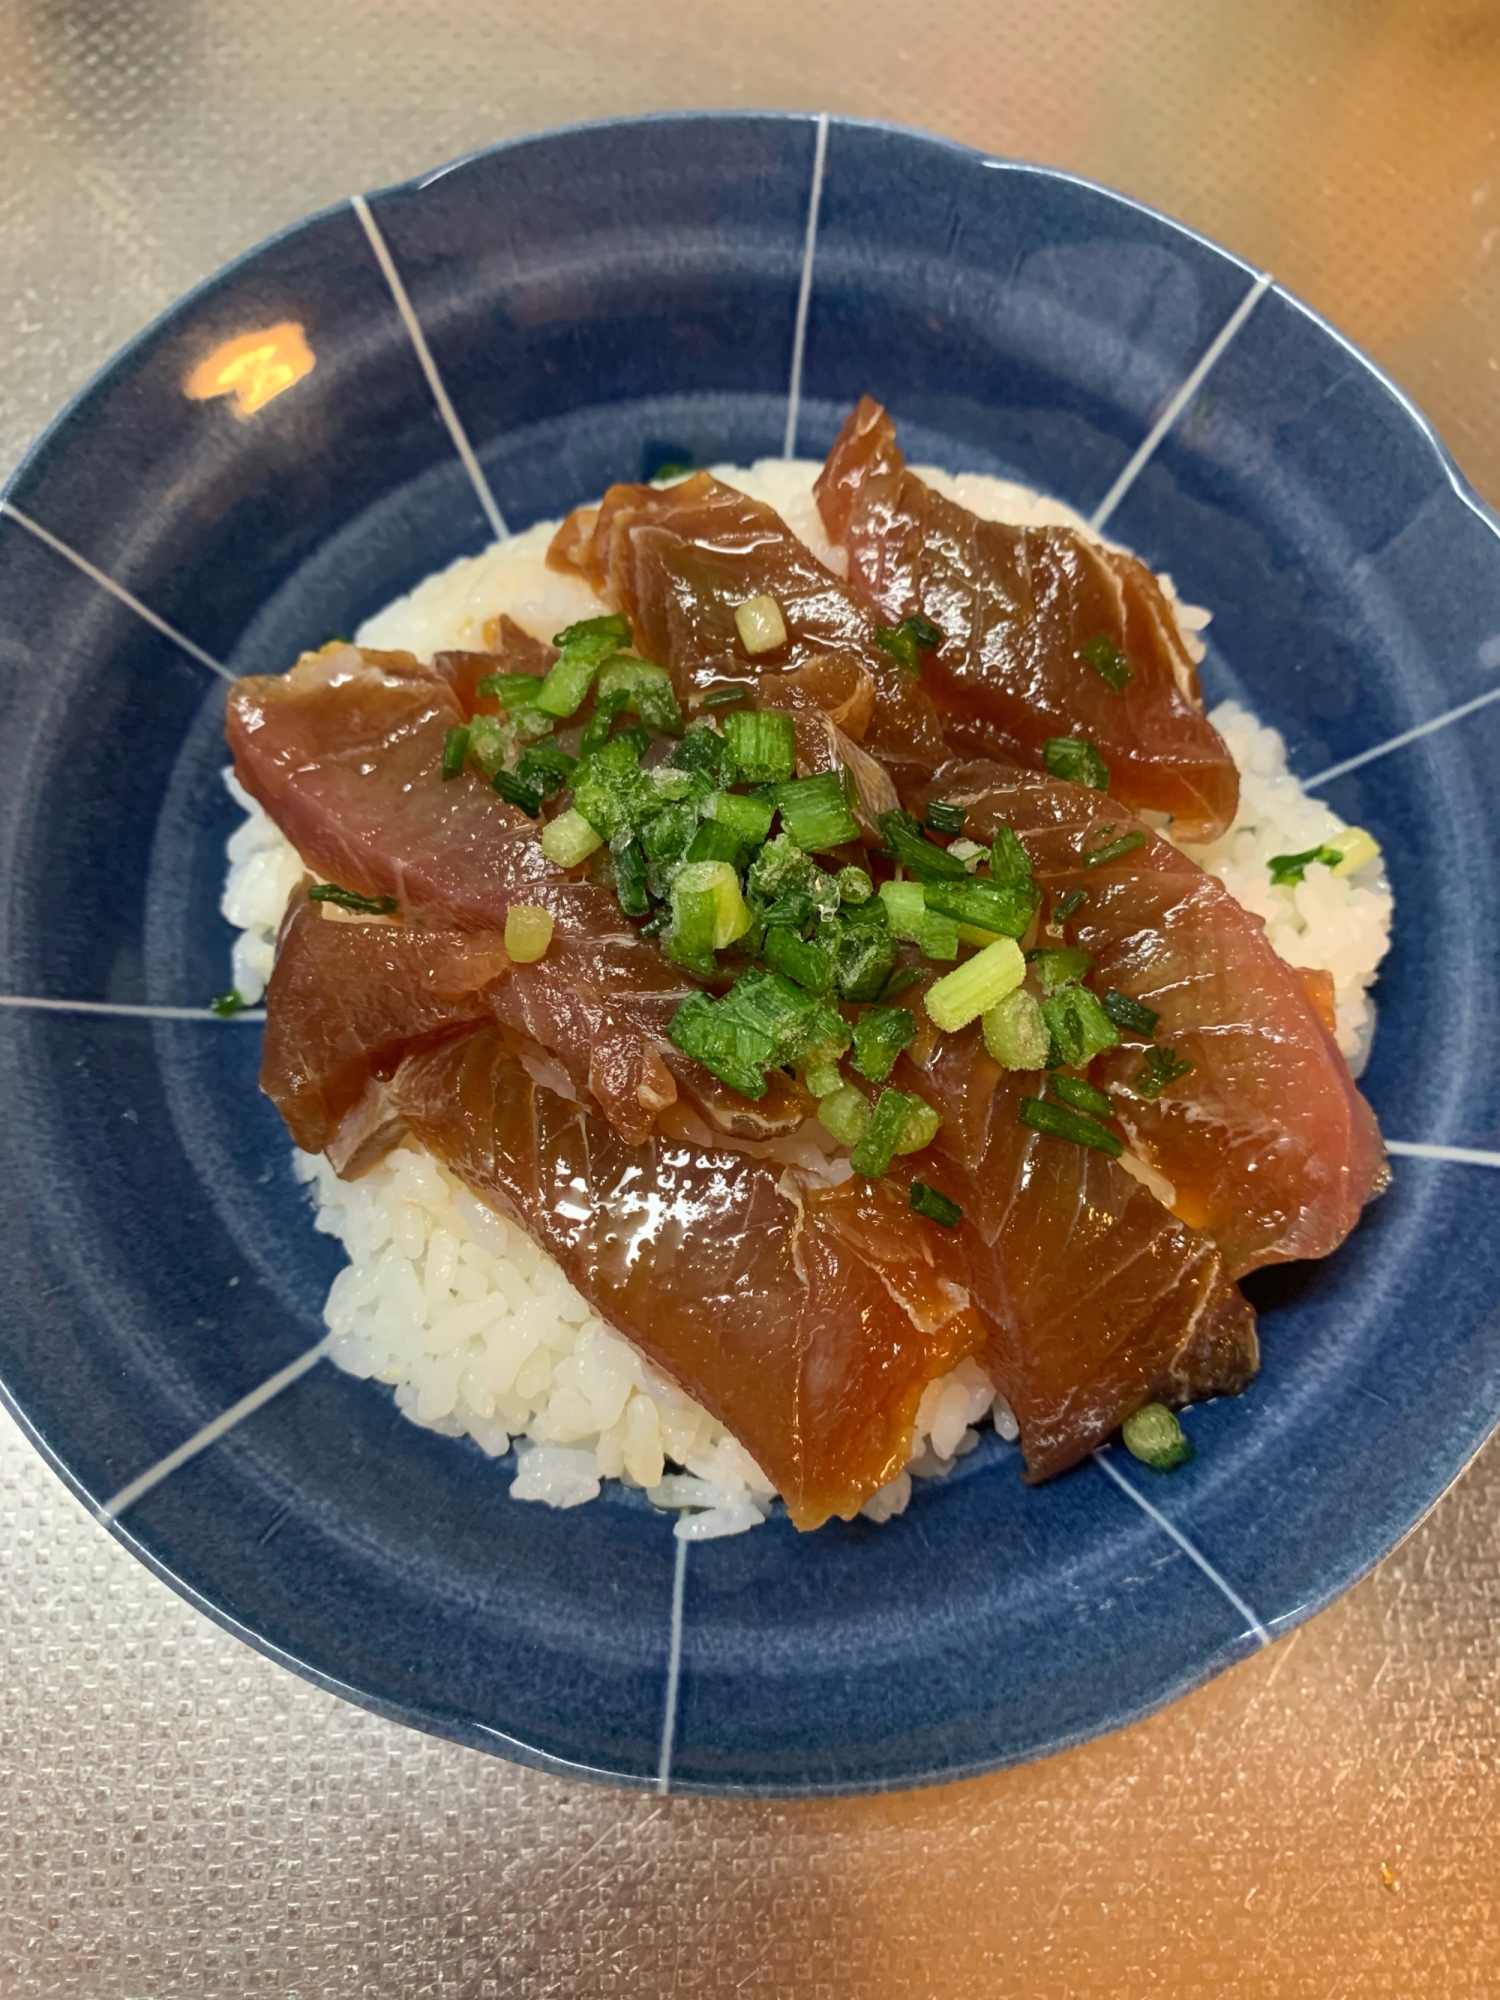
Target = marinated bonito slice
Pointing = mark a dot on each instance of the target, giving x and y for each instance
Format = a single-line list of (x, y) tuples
[(1045, 633), (807, 1319)]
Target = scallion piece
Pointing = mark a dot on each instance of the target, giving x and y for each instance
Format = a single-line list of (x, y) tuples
[(455, 752), (703, 752), (490, 742), (815, 812), (1074, 759), (1159, 1067), (973, 988), (606, 708), (671, 469), (872, 1155), (647, 690), (749, 819), (907, 641), (1079, 1027), (1063, 967), (905, 908), (1006, 912), (1082, 1095), (512, 691), (1107, 661), (945, 817), (1154, 1436), (729, 917), (605, 634), (903, 977), (819, 1069), (879, 1037), (1010, 867), (630, 874), (920, 1129), (1067, 906), (736, 1054), (528, 931), (350, 899), (569, 839), (862, 948), (1129, 1014), (1115, 850), (1015, 1033), (1287, 869), (585, 647), (760, 624), (904, 837), (853, 885), (767, 1004), (762, 742), (611, 790), (516, 792), (656, 924), (726, 697), (845, 1113), (546, 767), (939, 1208), (227, 1005), (787, 953), (938, 937), (714, 841), (1058, 1122)]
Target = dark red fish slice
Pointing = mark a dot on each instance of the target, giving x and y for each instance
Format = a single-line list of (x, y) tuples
[(807, 1320), (1268, 1142), (1016, 607), (345, 753)]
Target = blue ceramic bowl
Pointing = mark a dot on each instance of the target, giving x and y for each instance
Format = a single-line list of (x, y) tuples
[(593, 302)]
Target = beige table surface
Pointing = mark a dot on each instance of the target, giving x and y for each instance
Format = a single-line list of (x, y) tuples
[(178, 1816)]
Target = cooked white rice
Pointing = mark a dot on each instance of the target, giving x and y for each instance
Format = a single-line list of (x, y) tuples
[(478, 1331)]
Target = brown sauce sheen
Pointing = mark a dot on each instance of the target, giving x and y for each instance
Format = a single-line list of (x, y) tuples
[(1015, 605)]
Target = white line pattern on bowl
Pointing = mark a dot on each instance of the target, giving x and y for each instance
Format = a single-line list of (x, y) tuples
[(674, 1671), (1400, 742), (1189, 1548), (1421, 1149), (126, 1010), (418, 339), (804, 289)]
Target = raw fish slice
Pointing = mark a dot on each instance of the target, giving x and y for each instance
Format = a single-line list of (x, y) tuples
[(345, 753), (677, 560), (1015, 607), (808, 1320), (1267, 1141)]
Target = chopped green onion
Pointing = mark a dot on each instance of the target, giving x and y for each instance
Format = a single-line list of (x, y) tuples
[(569, 839), (1015, 1033), (596, 734), (879, 1037), (1064, 967), (1289, 868), (1356, 849), (1075, 759), (936, 1207), (1154, 1436), (490, 742), (516, 792), (630, 873), (1075, 1090), (512, 691), (611, 790), (1058, 1122), (714, 841), (863, 950), (657, 924), (665, 836), (639, 736), (781, 867), (1107, 661), (572, 673), (938, 937), (907, 641), (785, 952), (920, 1129), (853, 885), (1130, 1014), (903, 977), (820, 1070), (945, 817), (969, 852), (729, 918), (736, 1054), (646, 689), (725, 697), (350, 899), (845, 1113), (670, 469), (761, 626), (606, 634), (455, 752), (1010, 866), (749, 819), (872, 1155), (762, 742), (1005, 912), (973, 988), (975, 934), (704, 752), (1114, 850), (546, 767), (904, 837), (1159, 1067), (1065, 906), (528, 930), (1079, 1027), (815, 812), (227, 1005), (905, 908)]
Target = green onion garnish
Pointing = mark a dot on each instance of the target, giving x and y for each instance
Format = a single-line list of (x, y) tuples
[(734, 1053), (1063, 967), (1159, 1067), (845, 1114), (708, 913), (1015, 1033), (781, 868), (1099, 857), (516, 792), (879, 1037), (815, 812), (972, 988), (1154, 1436), (606, 708), (604, 634), (1075, 759), (704, 752), (907, 641), (1075, 1090), (227, 1005), (490, 742), (569, 839), (512, 691), (920, 1129), (671, 469), (1004, 912), (546, 767), (807, 964), (646, 689), (1058, 1122), (872, 1155), (350, 899), (656, 925), (455, 752), (903, 977), (762, 742), (611, 790), (853, 885), (905, 908), (1131, 1015), (750, 819), (904, 837), (863, 948), (1107, 661), (1010, 867), (714, 841), (630, 874), (1079, 1027), (725, 697), (936, 1207), (1289, 868), (1065, 906), (585, 648), (938, 936), (945, 817)]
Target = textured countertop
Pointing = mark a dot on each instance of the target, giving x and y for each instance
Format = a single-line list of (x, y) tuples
[(179, 1816)]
